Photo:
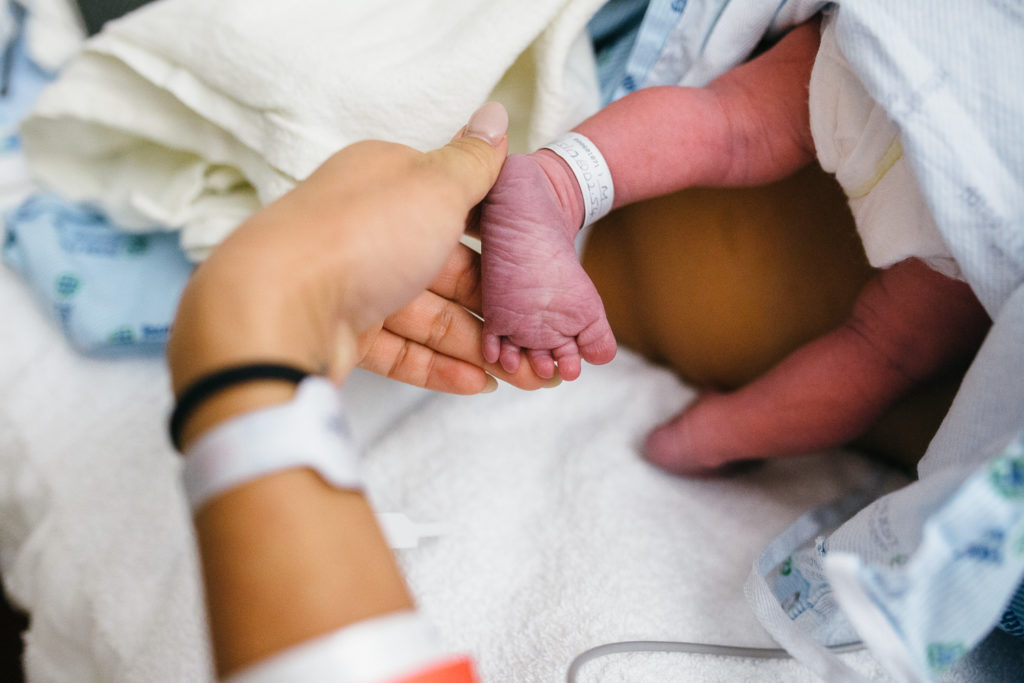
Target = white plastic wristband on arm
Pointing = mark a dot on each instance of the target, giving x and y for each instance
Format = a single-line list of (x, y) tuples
[(383, 648), (591, 171), (308, 431)]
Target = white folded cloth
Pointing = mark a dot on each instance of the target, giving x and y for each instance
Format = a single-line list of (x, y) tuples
[(857, 141), (53, 31), (190, 114), (948, 75)]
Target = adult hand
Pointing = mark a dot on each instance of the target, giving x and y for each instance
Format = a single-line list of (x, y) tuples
[(434, 341), (315, 279), (908, 324)]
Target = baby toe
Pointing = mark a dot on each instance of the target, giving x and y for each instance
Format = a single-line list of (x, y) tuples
[(568, 358), (509, 355), (597, 343), (542, 361), (491, 347)]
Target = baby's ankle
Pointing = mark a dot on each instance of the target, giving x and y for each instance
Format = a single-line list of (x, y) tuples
[(566, 187)]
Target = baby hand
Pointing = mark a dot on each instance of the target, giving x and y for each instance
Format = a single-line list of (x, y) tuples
[(536, 295)]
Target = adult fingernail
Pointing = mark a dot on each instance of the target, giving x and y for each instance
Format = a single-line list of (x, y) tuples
[(491, 386), (553, 382), (489, 123)]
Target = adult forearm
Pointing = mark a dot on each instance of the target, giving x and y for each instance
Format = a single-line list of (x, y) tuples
[(277, 573)]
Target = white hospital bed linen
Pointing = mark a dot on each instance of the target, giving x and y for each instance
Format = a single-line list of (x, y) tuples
[(188, 113), (563, 539), (948, 74), (858, 143)]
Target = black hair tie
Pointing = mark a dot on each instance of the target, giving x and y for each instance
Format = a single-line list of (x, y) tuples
[(216, 381)]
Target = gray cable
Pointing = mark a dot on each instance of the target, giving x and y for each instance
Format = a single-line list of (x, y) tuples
[(689, 648)]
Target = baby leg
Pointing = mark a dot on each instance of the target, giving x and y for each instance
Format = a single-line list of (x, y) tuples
[(722, 285), (536, 294), (909, 324), (750, 126)]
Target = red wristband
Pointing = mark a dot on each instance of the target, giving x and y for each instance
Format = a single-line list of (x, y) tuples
[(458, 671)]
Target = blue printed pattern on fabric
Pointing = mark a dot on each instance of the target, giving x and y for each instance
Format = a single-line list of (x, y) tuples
[(23, 84), (684, 42), (1013, 619), (623, 65), (661, 17), (111, 292), (792, 570), (966, 576), (613, 31), (1009, 479)]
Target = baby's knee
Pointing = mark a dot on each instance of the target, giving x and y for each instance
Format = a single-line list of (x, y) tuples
[(918, 320)]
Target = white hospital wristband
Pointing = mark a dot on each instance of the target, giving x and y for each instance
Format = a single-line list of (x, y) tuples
[(308, 431), (591, 171), (379, 649)]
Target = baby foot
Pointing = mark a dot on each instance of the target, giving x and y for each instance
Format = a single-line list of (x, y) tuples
[(536, 295)]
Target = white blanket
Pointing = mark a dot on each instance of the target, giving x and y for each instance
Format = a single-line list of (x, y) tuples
[(190, 113), (561, 537)]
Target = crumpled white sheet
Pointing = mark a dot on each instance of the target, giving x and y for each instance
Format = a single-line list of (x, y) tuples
[(190, 114), (53, 31), (946, 75)]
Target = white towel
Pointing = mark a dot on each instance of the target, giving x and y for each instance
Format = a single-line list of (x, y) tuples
[(560, 536), (190, 113)]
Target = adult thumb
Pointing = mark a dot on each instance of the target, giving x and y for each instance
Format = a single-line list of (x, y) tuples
[(473, 158)]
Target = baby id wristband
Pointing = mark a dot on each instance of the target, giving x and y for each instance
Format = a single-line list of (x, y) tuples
[(308, 431), (591, 171)]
